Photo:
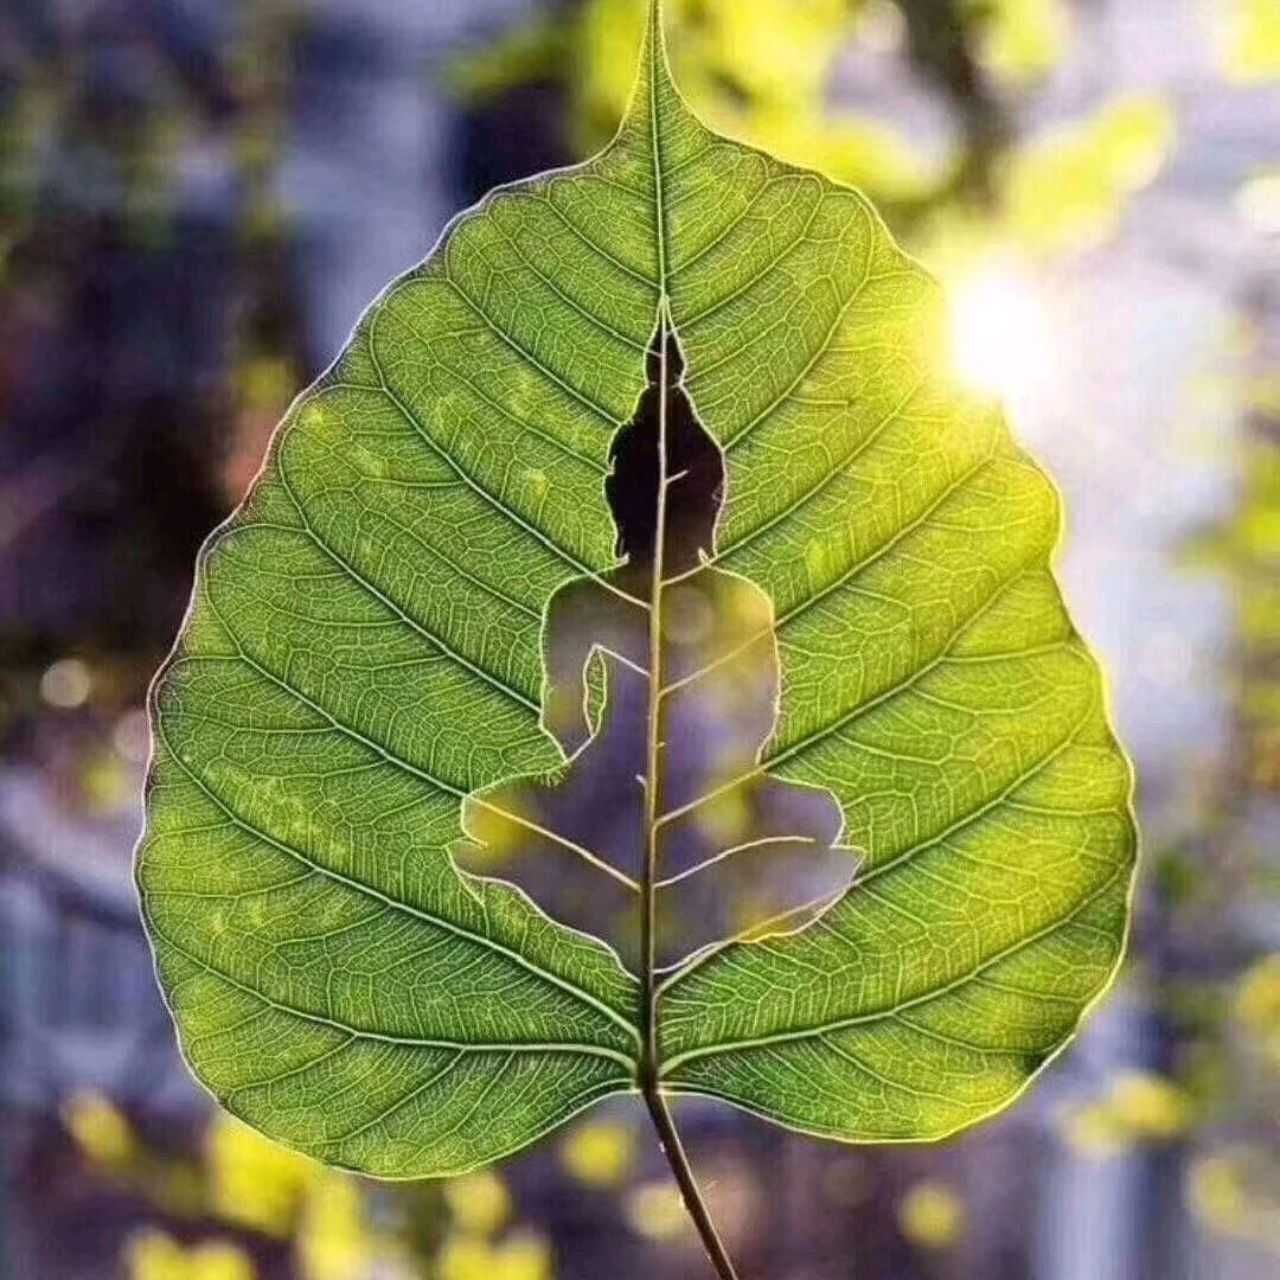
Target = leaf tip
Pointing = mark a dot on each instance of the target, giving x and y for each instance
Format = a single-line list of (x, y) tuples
[(653, 67)]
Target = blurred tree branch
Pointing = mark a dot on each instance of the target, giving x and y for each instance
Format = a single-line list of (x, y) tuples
[(942, 39)]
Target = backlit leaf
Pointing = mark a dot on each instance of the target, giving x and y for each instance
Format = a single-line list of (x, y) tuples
[(365, 657)]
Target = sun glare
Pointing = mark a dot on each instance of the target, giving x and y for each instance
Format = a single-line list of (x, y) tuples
[(1002, 341)]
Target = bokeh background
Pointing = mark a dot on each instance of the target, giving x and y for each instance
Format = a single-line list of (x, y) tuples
[(197, 197)]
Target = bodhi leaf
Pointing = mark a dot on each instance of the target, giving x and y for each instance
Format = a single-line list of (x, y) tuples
[(368, 664)]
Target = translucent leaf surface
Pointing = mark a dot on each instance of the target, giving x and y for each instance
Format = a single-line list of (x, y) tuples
[(364, 652)]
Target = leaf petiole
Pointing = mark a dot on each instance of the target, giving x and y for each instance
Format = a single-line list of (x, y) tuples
[(673, 1149)]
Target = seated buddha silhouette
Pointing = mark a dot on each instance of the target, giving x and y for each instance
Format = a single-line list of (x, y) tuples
[(737, 849)]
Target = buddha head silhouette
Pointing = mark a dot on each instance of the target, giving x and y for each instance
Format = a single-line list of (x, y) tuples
[(695, 468)]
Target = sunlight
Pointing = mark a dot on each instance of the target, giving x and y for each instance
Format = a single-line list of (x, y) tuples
[(1002, 340)]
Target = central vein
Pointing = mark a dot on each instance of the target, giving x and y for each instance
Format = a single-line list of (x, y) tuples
[(649, 1064), (650, 1059)]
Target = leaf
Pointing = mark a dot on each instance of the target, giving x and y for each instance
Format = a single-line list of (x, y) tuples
[(363, 655)]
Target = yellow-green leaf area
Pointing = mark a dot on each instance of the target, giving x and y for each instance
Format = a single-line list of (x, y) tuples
[(363, 652)]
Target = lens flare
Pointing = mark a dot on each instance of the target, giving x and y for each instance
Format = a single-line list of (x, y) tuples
[(1002, 340)]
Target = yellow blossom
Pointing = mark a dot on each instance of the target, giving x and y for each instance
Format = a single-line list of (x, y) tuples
[(152, 1255), (599, 1153), (931, 1214), (523, 1257), (333, 1241), (98, 1127), (256, 1182), (479, 1202)]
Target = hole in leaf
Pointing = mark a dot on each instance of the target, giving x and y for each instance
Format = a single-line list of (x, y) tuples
[(738, 850)]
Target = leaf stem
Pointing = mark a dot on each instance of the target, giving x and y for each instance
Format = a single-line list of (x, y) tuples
[(673, 1149)]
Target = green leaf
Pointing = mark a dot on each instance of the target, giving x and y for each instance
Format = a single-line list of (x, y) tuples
[(364, 652)]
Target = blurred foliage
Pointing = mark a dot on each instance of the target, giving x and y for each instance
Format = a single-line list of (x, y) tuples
[(757, 71), (337, 1226), (522, 1257), (764, 72), (138, 158), (931, 1214), (1257, 1005), (1249, 39), (1233, 1193), (599, 1153), (1247, 550), (1232, 1178), (1021, 41), (1068, 189), (99, 1128), (654, 1210), (256, 1183), (152, 1255), (1258, 202), (1138, 1106), (479, 1202), (335, 1240)]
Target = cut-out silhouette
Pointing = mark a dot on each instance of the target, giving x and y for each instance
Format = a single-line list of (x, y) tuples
[(736, 847)]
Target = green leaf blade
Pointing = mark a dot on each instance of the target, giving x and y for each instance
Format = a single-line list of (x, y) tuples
[(365, 651)]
